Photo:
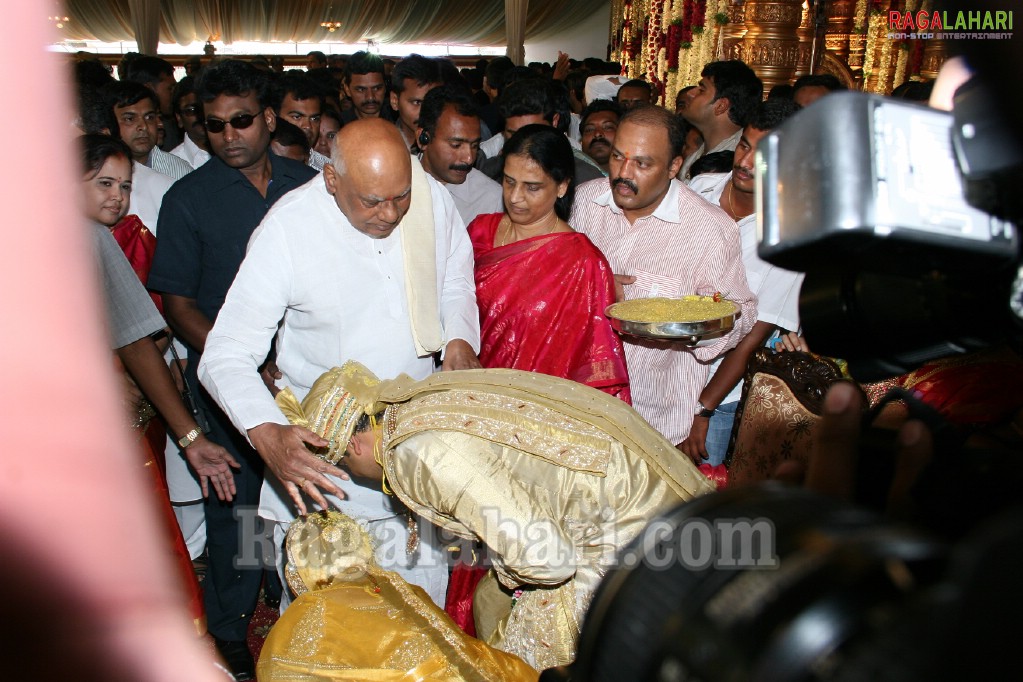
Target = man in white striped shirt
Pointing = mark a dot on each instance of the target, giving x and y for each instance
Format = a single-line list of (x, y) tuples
[(138, 114), (663, 240)]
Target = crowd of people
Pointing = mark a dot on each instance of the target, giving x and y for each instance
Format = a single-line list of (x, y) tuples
[(459, 234)]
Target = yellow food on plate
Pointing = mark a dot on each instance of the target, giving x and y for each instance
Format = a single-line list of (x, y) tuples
[(685, 309)]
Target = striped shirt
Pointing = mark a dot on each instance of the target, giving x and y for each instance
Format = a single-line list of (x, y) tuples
[(669, 256), (317, 160), (168, 164)]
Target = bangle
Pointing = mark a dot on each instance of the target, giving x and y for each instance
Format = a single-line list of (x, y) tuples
[(189, 438)]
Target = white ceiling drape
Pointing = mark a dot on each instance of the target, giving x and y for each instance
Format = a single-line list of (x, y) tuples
[(466, 22), (145, 23), (515, 17)]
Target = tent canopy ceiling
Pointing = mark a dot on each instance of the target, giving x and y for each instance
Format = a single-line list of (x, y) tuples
[(476, 22)]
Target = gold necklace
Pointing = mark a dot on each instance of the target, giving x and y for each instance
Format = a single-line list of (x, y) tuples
[(511, 231), (731, 207)]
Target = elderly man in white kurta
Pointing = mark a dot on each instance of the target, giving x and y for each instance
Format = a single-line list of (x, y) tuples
[(370, 262)]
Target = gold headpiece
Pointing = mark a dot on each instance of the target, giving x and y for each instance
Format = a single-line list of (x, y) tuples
[(324, 548), (334, 405)]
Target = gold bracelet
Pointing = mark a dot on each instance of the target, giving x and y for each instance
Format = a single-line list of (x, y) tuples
[(189, 438)]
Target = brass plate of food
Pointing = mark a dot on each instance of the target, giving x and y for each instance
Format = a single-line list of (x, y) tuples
[(691, 318)]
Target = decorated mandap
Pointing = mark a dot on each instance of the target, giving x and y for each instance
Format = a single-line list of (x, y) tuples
[(667, 42)]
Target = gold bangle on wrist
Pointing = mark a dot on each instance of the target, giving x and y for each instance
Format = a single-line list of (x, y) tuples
[(189, 438)]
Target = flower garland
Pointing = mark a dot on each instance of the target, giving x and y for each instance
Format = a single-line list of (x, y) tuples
[(903, 59), (656, 54), (720, 20), (875, 31), (901, 64), (627, 48), (860, 17), (884, 84), (674, 44)]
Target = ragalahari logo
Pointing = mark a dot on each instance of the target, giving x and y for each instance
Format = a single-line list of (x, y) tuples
[(945, 25)]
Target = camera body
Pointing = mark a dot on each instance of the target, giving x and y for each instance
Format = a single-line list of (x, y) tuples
[(858, 178), (867, 196)]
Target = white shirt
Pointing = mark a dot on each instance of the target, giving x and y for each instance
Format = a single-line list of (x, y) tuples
[(341, 296), (574, 134), (147, 189), (477, 195), (729, 144), (191, 153), (602, 87), (168, 164), (777, 289), (493, 146)]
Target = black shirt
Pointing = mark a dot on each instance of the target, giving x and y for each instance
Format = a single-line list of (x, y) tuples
[(205, 223)]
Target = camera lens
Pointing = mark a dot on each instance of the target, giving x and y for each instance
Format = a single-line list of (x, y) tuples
[(793, 579)]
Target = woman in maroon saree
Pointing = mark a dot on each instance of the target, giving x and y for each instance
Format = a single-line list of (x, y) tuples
[(541, 287)]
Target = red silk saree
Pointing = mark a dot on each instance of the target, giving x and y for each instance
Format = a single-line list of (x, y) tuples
[(542, 304)]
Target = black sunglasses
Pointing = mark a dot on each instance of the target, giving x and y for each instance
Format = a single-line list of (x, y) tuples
[(239, 122)]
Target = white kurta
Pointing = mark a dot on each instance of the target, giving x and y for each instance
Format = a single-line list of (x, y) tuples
[(341, 295)]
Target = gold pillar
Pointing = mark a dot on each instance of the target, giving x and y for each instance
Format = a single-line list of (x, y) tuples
[(734, 30), (771, 44), (805, 34), (857, 52), (840, 24), (935, 55)]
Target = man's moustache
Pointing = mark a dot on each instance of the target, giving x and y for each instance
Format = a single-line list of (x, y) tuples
[(628, 183), (460, 167)]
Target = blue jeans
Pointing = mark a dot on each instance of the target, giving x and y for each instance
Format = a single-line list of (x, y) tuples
[(719, 431)]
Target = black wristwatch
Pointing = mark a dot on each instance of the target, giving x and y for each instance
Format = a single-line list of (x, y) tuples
[(702, 411)]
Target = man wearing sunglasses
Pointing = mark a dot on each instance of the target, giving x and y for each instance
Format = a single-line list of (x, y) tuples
[(195, 148), (205, 223)]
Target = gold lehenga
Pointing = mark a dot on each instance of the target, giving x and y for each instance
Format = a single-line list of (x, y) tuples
[(355, 621)]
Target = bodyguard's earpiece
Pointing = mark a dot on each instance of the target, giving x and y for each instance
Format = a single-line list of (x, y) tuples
[(424, 138)]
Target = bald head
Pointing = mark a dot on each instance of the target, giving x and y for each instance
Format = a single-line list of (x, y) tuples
[(373, 141), (370, 176)]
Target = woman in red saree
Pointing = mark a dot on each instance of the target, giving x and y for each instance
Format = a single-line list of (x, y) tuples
[(541, 287)]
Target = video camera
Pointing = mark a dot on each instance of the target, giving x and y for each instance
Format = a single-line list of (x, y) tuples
[(903, 218), (852, 597)]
